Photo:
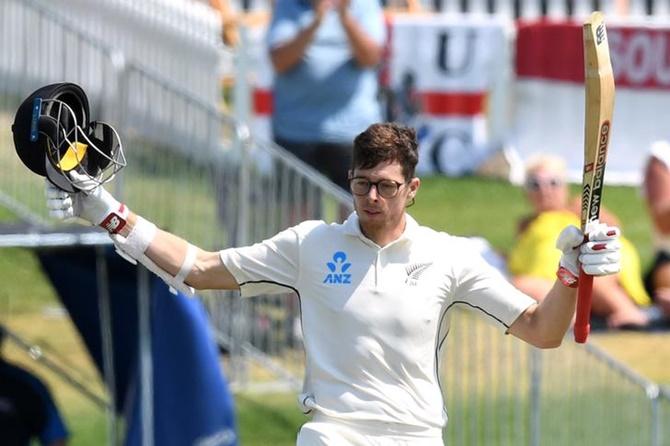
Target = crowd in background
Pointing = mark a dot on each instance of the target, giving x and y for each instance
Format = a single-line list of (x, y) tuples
[(317, 124), (234, 12)]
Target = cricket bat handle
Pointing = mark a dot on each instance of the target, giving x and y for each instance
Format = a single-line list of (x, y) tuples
[(583, 318)]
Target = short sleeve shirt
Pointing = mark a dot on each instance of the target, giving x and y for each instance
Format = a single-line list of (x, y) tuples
[(327, 96), (374, 317)]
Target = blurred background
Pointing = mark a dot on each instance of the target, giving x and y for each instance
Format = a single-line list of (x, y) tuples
[(189, 85)]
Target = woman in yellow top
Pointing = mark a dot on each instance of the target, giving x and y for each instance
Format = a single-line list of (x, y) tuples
[(533, 259)]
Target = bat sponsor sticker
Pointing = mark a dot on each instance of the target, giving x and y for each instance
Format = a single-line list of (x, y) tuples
[(599, 172)]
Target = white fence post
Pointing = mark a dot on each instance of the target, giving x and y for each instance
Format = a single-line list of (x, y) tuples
[(535, 406)]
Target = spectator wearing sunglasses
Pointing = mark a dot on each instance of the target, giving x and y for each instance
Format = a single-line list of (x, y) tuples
[(620, 300)]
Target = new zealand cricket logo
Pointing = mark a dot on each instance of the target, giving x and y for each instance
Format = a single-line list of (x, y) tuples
[(415, 271)]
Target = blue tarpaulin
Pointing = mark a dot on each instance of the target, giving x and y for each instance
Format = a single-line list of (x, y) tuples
[(192, 404)]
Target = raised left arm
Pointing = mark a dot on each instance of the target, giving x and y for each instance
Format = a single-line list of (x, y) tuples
[(544, 325)]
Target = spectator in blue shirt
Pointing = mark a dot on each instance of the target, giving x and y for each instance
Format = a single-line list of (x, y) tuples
[(325, 54), (27, 410)]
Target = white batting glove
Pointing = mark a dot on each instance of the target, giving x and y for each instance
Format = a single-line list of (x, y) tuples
[(95, 204), (599, 256)]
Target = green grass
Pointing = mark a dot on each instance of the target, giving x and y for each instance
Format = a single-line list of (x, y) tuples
[(25, 287), (505, 421), (268, 419), (469, 206)]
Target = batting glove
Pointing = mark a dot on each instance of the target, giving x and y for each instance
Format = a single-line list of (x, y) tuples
[(93, 204), (598, 256)]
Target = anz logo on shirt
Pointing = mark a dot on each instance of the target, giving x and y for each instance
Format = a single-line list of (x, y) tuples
[(338, 270)]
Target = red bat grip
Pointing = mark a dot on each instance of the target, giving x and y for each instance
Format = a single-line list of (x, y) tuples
[(583, 318)]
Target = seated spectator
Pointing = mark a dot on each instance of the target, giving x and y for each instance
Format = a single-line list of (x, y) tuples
[(619, 299), (27, 410), (657, 194)]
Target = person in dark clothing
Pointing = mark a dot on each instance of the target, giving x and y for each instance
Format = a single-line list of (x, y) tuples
[(27, 410)]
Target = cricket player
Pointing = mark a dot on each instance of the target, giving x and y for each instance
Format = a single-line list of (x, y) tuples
[(375, 292)]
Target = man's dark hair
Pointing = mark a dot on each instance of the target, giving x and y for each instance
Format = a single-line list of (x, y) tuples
[(387, 142)]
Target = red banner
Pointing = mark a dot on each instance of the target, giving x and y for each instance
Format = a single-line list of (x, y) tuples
[(553, 51), (548, 50)]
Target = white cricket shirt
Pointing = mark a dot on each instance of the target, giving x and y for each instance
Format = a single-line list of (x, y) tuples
[(375, 318)]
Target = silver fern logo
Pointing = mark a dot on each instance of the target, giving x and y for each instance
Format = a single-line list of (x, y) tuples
[(415, 271)]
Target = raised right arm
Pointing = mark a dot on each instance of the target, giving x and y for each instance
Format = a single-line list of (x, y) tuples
[(168, 252), (176, 261)]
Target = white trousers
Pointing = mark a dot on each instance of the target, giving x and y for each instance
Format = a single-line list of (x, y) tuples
[(325, 431)]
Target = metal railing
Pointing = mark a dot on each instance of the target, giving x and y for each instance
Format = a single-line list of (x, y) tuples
[(200, 173), (64, 371), (192, 169), (514, 9), (502, 391)]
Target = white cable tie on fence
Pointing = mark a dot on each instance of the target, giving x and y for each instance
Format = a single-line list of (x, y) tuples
[(653, 391)]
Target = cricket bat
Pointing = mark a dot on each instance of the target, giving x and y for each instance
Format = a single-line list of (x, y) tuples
[(599, 104)]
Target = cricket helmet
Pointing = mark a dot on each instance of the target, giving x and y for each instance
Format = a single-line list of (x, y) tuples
[(54, 134)]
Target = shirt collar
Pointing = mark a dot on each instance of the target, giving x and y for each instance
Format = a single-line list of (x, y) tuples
[(352, 227)]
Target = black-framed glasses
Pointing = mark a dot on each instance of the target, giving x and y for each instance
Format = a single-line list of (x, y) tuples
[(534, 183), (386, 188)]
